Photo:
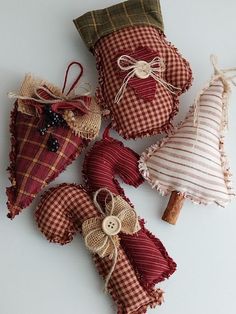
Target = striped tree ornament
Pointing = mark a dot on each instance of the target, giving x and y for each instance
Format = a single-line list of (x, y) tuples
[(191, 162)]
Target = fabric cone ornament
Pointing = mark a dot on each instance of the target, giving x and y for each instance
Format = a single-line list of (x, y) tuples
[(141, 75), (68, 209), (49, 128), (106, 160), (191, 162)]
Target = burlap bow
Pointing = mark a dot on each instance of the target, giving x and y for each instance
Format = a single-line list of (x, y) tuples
[(59, 101), (43, 95), (101, 234)]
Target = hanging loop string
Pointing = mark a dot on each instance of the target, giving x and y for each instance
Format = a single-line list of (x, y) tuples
[(97, 205), (222, 72), (226, 79), (101, 234), (74, 84), (142, 70), (106, 135)]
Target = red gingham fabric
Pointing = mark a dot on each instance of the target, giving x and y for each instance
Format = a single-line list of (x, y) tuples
[(133, 116), (32, 166), (60, 215), (109, 158)]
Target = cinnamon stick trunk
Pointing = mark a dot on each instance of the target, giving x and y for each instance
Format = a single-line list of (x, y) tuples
[(173, 209)]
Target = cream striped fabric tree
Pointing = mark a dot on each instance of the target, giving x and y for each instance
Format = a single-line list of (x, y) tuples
[(191, 162)]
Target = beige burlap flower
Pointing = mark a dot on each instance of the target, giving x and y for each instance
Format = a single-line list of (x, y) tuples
[(101, 234)]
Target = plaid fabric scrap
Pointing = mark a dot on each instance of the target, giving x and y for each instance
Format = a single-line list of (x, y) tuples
[(32, 165), (60, 215), (96, 24)]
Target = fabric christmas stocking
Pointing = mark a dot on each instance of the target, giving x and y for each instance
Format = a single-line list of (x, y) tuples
[(141, 75), (191, 163), (108, 159), (49, 128)]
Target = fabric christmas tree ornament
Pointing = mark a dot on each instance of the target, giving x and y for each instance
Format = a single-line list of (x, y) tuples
[(67, 209), (49, 128), (141, 75), (108, 159), (191, 162)]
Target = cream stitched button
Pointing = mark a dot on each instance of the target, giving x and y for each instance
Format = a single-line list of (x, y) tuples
[(111, 225), (142, 69)]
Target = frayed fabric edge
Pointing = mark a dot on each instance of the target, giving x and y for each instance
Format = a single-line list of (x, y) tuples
[(156, 299)]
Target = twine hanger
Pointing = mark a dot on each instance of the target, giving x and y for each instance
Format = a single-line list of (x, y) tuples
[(218, 74)]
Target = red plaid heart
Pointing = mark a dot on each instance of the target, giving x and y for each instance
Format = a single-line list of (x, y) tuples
[(33, 166)]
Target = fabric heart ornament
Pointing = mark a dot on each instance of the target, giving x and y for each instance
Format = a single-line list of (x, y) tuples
[(141, 75), (191, 162), (49, 129), (106, 160), (67, 209)]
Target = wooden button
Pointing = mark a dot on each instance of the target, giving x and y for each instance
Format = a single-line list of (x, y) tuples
[(142, 69), (111, 225)]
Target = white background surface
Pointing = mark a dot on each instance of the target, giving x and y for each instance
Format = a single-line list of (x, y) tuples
[(41, 278)]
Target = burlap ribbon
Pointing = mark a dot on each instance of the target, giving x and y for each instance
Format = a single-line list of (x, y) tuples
[(65, 101), (101, 234)]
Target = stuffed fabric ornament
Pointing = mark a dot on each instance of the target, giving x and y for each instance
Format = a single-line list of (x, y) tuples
[(191, 162), (141, 75), (107, 159), (67, 209), (49, 128)]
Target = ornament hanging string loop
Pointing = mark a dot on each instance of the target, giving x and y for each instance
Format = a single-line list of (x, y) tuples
[(74, 84), (226, 79)]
